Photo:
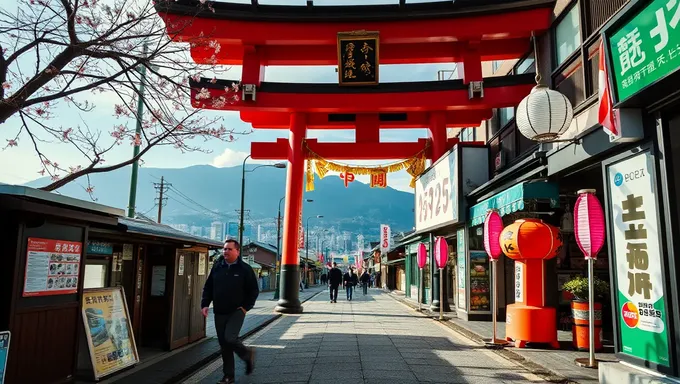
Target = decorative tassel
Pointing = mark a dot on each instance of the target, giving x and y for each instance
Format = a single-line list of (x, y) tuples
[(309, 186)]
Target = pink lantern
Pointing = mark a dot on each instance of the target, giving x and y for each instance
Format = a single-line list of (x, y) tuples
[(493, 225), (441, 252), (422, 255), (589, 223)]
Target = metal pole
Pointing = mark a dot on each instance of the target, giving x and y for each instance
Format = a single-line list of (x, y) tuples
[(441, 294), (160, 201), (591, 310), (495, 342), (138, 132), (243, 201), (420, 286), (494, 298), (306, 252), (590, 362), (278, 251)]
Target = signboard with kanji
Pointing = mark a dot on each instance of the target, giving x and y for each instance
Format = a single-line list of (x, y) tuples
[(358, 57), (646, 48), (642, 312)]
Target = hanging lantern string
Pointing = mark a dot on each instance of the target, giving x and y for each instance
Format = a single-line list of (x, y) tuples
[(538, 71)]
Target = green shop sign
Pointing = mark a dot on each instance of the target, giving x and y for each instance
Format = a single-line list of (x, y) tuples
[(646, 48)]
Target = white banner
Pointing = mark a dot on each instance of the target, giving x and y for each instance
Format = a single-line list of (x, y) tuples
[(385, 238), (636, 243), (437, 194)]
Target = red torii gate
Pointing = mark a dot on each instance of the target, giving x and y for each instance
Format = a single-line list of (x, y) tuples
[(256, 36)]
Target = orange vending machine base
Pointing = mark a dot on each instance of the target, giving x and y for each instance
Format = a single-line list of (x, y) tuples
[(529, 324)]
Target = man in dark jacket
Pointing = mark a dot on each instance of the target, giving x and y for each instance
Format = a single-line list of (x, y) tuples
[(232, 288), (365, 280), (350, 280), (334, 281)]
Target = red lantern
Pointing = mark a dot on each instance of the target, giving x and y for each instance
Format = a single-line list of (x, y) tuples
[(531, 239), (422, 255), (589, 223), (441, 252), (493, 225)]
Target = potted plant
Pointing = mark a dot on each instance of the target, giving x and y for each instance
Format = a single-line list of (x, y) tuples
[(580, 308)]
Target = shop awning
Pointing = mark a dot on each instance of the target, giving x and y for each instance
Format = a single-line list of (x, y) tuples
[(512, 199), (396, 261)]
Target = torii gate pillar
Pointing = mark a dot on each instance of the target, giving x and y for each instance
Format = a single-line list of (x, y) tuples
[(289, 285)]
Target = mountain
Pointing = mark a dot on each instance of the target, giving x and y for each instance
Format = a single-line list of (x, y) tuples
[(201, 194)]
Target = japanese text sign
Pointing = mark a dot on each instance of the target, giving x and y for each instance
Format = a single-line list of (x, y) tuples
[(108, 330), (437, 194), (646, 48), (358, 58), (52, 267), (637, 256), (385, 238)]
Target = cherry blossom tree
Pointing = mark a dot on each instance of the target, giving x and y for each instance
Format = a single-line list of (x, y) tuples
[(56, 53)]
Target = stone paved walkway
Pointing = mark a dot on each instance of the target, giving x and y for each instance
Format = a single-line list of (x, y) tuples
[(372, 339)]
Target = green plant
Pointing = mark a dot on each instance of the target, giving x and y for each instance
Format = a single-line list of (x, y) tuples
[(578, 287)]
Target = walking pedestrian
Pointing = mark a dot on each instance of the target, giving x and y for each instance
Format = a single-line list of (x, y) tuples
[(350, 280), (334, 280), (232, 288), (365, 280)]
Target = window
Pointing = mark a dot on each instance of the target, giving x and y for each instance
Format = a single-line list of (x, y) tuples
[(95, 276), (505, 115), (527, 65), (495, 65), (568, 35), (467, 134)]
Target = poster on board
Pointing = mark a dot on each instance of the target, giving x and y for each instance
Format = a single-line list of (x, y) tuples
[(108, 330), (52, 267), (202, 261), (641, 305), (5, 336)]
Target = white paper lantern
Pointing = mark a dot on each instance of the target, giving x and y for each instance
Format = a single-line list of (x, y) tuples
[(544, 114)]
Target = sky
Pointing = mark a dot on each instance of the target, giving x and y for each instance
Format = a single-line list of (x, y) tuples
[(20, 164)]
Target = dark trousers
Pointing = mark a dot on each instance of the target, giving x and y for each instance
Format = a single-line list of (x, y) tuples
[(334, 292), (365, 285), (228, 328), (349, 288)]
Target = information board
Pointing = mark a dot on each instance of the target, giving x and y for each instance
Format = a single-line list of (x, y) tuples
[(108, 330), (52, 267)]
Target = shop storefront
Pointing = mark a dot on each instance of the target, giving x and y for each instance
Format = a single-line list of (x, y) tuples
[(88, 292), (441, 210), (527, 199), (641, 190)]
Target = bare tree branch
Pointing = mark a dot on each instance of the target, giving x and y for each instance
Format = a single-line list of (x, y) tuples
[(80, 49)]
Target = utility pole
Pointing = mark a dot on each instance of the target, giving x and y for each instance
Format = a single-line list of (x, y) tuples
[(162, 187), (138, 134)]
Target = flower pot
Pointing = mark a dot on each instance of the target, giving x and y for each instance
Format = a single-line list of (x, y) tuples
[(580, 331)]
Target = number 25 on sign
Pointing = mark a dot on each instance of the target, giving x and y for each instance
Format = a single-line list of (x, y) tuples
[(433, 201)]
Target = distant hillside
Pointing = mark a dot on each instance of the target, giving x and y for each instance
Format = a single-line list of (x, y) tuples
[(197, 189)]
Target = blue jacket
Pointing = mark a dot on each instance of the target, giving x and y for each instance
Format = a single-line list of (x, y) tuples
[(229, 287)]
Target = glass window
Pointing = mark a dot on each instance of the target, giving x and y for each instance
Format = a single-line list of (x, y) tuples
[(527, 65), (95, 276), (505, 115), (495, 65), (568, 35)]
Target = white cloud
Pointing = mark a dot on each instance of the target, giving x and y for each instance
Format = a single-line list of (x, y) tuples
[(229, 158)]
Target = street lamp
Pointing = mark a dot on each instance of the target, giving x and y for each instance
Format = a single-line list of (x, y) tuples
[(278, 247), (307, 247), (243, 193)]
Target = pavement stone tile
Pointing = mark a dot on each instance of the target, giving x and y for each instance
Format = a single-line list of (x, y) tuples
[(399, 347)]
